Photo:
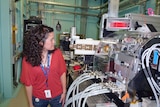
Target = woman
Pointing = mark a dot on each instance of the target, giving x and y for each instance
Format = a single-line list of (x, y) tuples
[(43, 68)]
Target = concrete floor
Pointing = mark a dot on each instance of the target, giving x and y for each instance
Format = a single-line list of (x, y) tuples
[(19, 99)]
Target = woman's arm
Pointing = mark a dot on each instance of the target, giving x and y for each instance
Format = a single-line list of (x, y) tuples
[(63, 81), (29, 95)]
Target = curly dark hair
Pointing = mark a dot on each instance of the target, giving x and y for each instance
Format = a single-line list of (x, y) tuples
[(32, 49)]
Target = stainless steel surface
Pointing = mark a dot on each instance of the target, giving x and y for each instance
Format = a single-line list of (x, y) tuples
[(113, 8), (143, 19)]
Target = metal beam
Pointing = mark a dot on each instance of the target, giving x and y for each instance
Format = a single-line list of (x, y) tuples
[(65, 12), (68, 5)]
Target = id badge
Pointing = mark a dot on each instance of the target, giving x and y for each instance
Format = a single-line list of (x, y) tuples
[(47, 93)]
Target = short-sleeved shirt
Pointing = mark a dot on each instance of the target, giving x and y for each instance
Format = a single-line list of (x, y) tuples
[(34, 76)]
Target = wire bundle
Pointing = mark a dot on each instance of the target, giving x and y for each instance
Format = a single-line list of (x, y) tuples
[(74, 95), (146, 56), (77, 98)]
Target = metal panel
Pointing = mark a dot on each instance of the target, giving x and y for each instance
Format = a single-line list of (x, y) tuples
[(113, 8), (115, 24), (143, 19), (83, 19), (6, 49)]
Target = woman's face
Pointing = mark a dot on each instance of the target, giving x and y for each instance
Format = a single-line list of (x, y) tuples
[(49, 42)]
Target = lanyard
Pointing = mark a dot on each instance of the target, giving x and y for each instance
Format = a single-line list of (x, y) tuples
[(46, 69)]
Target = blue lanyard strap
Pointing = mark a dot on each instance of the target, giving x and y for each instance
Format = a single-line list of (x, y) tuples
[(46, 69)]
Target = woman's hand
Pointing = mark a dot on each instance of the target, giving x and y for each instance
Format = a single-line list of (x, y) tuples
[(31, 105), (63, 97)]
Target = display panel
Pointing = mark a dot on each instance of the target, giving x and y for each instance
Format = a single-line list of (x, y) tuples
[(33, 21), (116, 24)]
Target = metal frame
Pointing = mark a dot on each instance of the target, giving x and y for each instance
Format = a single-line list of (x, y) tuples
[(143, 19)]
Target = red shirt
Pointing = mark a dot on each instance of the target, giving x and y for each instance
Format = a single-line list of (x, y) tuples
[(34, 76)]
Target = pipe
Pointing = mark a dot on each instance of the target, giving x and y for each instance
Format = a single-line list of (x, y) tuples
[(128, 3), (75, 14), (157, 7), (122, 5), (68, 5), (59, 11), (125, 4), (131, 4)]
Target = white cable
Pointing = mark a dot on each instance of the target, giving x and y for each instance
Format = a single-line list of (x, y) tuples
[(87, 90), (85, 75), (93, 93), (77, 96), (146, 54), (79, 80), (76, 86), (148, 75), (84, 78), (149, 70), (96, 76)]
